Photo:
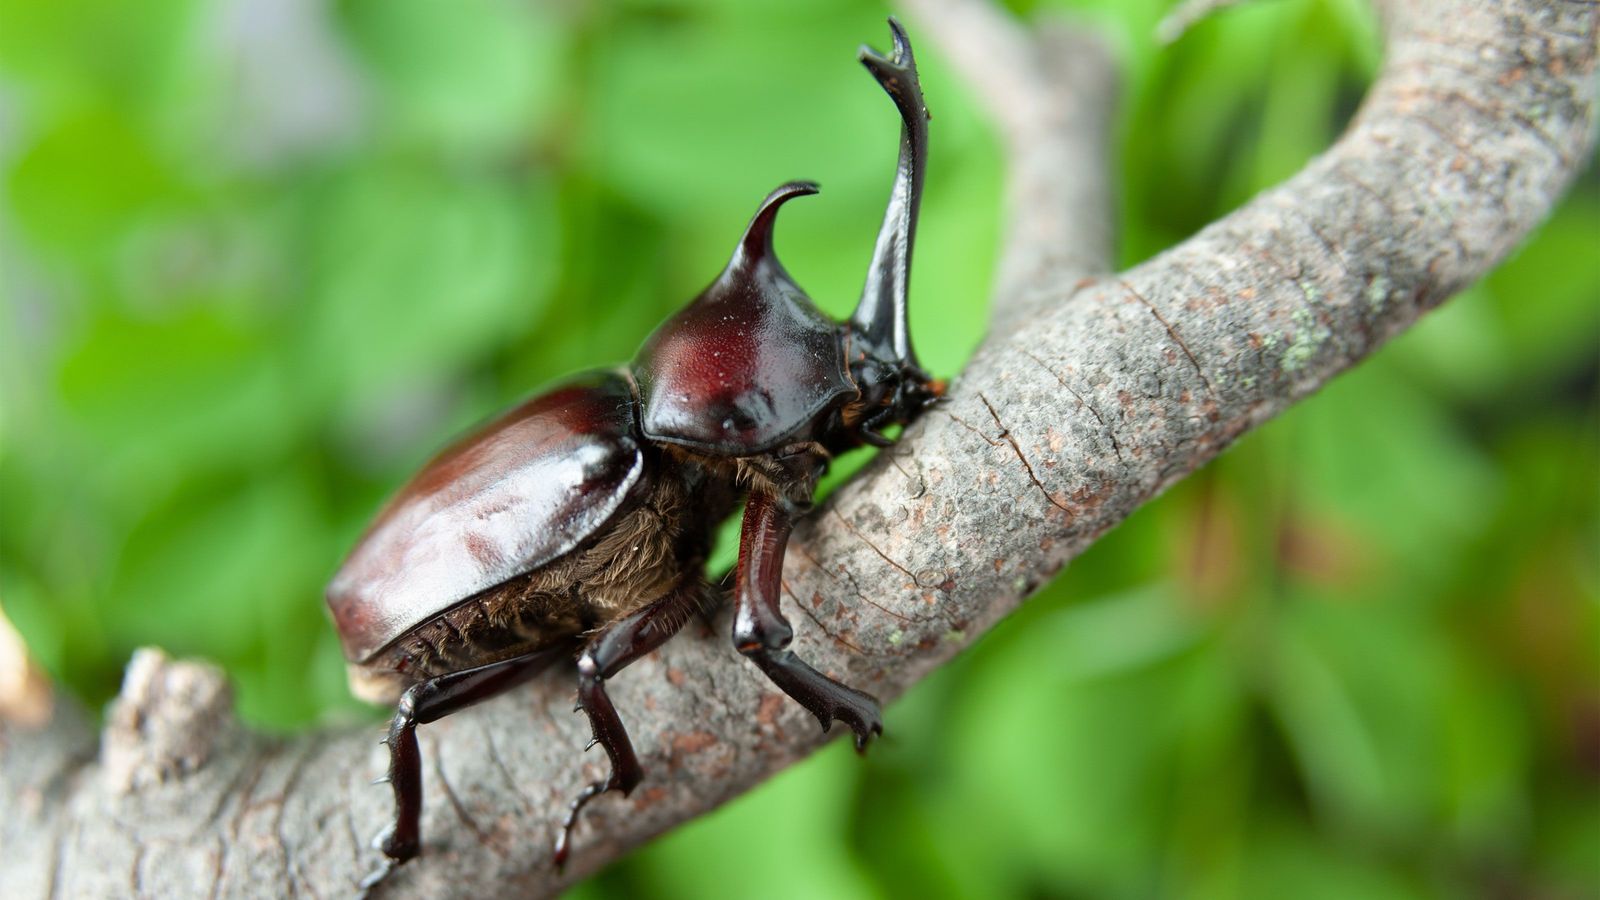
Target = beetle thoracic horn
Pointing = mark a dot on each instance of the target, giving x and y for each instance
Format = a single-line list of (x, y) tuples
[(880, 318), (757, 241)]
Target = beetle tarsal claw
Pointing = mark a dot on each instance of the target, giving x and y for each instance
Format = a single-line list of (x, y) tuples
[(376, 876), (865, 737), (887, 71), (876, 438), (564, 837), (900, 62)]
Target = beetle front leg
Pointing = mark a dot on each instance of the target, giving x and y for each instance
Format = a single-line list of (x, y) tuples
[(762, 634), (607, 653)]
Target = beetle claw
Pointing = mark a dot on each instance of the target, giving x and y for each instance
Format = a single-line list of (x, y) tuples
[(375, 877), (876, 438), (865, 737), (897, 63)]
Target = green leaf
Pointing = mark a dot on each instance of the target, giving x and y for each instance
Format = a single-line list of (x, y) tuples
[(416, 274), (802, 851), (474, 75), (84, 178)]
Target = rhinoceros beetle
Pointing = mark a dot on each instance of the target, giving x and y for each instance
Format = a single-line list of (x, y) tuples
[(577, 524)]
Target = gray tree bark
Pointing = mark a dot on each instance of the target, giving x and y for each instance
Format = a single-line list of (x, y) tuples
[(1117, 387)]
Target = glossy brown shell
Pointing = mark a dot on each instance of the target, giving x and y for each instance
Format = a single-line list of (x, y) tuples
[(521, 491), (750, 362)]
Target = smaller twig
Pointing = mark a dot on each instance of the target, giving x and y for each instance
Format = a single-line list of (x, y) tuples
[(1178, 22), (1050, 92), (166, 722), (25, 696)]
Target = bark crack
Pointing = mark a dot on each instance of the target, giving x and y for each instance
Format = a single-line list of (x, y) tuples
[(854, 585), (58, 850), (291, 866), (964, 424), (1369, 190), (1171, 332), (218, 869), (1333, 252), (1005, 434), (873, 547), (1499, 112), (460, 808), (490, 744), (356, 846), (1111, 434), (821, 626), (256, 767), (136, 871)]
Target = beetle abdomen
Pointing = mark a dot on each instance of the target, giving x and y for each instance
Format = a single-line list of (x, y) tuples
[(518, 493), (631, 561)]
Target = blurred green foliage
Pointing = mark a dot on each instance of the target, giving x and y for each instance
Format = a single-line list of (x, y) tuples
[(262, 257)]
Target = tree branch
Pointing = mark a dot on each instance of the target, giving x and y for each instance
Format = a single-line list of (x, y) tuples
[(1050, 437)]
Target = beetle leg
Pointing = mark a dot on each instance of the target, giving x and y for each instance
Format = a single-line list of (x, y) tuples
[(761, 633), (429, 701), (871, 428), (607, 653)]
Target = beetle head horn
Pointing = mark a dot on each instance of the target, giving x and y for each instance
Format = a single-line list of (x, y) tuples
[(879, 321)]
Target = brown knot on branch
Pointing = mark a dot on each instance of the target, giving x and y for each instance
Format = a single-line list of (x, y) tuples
[(165, 724)]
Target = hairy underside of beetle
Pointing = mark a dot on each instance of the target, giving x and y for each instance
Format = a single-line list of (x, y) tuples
[(643, 554)]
